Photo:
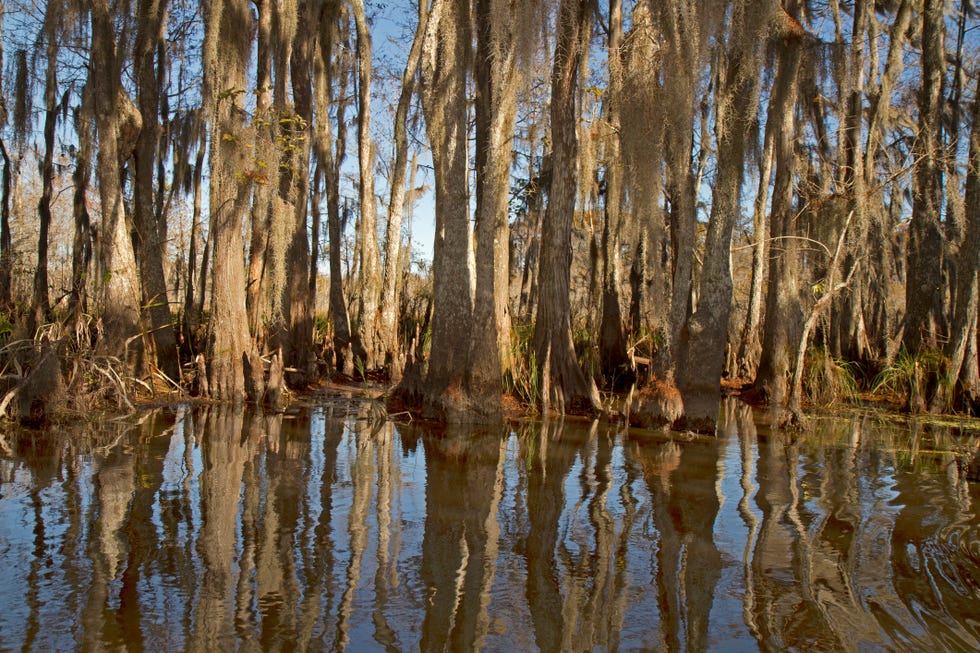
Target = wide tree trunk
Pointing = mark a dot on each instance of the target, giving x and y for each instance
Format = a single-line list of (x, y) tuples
[(784, 312), (563, 381), (227, 22), (612, 338), (444, 103), (701, 350), (962, 346), (150, 227), (496, 73), (923, 281), (297, 310), (118, 123)]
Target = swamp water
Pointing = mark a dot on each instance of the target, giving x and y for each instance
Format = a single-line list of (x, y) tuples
[(326, 529)]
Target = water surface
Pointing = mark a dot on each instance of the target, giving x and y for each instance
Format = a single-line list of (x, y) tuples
[(326, 529)]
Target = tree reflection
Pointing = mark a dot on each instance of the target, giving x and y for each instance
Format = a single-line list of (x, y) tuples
[(458, 560), (547, 468), (681, 479), (220, 482), (219, 530), (319, 551)]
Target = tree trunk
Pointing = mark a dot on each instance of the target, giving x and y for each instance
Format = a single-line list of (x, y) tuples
[(192, 314), (118, 123), (204, 269), (268, 152), (6, 242), (684, 42), (227, 22), (298, 312), (496, 74), (784, 314), (612, 339), (750, 348), (563, 381), (388, 331), (880, 276), (41, 302), (960, 350), (368, 328), (847, 333), (81, 257), (316, 227), (924, 283), (703, 341), (150, 228), (642, 154), (331, 161), (444, 103)]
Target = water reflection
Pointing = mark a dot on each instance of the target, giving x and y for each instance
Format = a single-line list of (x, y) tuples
[(327, 530)]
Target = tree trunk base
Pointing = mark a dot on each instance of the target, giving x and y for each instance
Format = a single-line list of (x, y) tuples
[(658, 405), (42, 393), (700, 411)]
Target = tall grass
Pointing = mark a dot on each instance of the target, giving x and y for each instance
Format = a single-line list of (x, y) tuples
[(523, 380), (827, 380), (921, 380)]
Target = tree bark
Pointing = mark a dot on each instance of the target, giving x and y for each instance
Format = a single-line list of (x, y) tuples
[(784, 314), (924, 284), (643, 156), (81, 256), (331, 161), (150, 228), (563, 381), (684, 41), (117, 122), (960, 349), (41, 302), (847, 332), (496, 74), (298, 312), (612, 339), (750, 348), (6, 241), (880, 276), (192, 314), (226, 22), (444, 103), (368, 327), (268, 153), (701, 349)]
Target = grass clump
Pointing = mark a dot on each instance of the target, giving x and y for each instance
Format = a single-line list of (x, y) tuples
[(921, 381), (523, 380), (828, 380)]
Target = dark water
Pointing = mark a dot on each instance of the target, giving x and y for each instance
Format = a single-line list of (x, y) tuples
[(324, 530)]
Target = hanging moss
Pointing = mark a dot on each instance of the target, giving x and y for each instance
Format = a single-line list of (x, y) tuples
[(22, 98)]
